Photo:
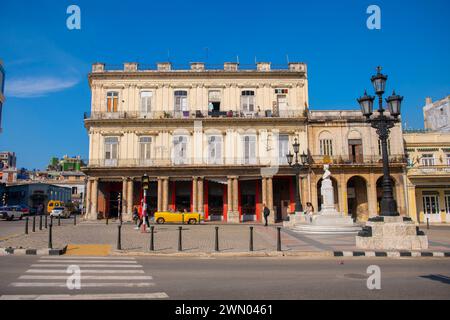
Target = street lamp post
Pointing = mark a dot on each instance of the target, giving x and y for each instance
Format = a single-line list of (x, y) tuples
[(383, 123), (145, 186), (297, 164)]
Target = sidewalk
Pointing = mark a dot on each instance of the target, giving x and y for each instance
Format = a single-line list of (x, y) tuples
[(200, 239)]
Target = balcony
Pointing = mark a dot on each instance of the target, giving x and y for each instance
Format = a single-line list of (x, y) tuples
[(197, 114), (359, 160), (434, 170), (175, 162)]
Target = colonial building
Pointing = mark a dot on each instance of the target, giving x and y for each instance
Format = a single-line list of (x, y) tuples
[(215, 141), (437, 114), (428, 175)]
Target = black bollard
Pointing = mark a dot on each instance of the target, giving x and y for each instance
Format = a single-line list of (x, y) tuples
[(26, 225), (119, 237), (51, 220), (74, 219), (180, 245), (50, 240), (251, 239), (40, 222), (107, 220), (278, 239), (59, 221), (45, 222), (216, 247), (428, 223), (34, 223), (152, 240)]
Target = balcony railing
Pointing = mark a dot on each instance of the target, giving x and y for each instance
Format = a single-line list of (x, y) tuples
[(164, 162), (432, 169), (196, 114), (355, 160), (231, 161)]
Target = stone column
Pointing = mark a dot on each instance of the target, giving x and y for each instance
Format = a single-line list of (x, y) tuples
[(94, 199), (229, 197), (130, 193), (314, 195), (124, 197), (233, 214), (194, 194), (372, 195), (165, 193), (343, 193), (160, 200), (200, 195), (412, 206), (88, 199), (269, 183), (263, 192)]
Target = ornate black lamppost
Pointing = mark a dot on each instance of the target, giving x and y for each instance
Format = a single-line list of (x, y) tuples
[(297, 165), (383, 123)]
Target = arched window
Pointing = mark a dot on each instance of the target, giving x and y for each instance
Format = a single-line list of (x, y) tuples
[(325, 144)]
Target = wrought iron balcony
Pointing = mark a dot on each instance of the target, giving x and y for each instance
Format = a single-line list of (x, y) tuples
[(196, 114)]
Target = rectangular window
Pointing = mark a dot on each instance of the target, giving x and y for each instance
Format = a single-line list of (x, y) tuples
[(74, 190), (112, 101), (145, 150), (214, 150), (180, 150), (111, 151), (283, 148), (326, 147), (181, 104), (214, 101), (249, 149), (146, 101), (248, 101), (430, 204), (281, 91), (447, 203), (448, 159), (388, 147), (427, 160)]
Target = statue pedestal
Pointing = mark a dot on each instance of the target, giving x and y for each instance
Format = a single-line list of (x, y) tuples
[(391, 233)]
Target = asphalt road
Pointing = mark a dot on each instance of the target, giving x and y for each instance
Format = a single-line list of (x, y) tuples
[(9, 229), (227, 278)]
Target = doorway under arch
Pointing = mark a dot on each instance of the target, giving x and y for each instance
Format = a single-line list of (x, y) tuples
[(357, 201)]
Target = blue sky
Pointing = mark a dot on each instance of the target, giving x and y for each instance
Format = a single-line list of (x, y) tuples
[(47, 64)]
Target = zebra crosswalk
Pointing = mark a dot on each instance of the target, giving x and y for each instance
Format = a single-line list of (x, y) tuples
[(94, 274)]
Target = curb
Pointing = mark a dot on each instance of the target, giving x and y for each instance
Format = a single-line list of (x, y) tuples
[(33, 252), (391, 254)]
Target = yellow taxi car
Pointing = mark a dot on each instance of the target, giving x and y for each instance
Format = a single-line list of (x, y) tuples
[(53, 204), (162, 217)]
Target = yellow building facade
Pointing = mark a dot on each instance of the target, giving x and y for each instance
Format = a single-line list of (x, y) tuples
[(428, 178)]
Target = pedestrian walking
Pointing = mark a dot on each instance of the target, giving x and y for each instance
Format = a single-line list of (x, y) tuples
[(266, 212), (143, 218), (135, 216)]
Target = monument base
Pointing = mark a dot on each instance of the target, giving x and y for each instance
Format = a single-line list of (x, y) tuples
[(329, 223), (391, 233)]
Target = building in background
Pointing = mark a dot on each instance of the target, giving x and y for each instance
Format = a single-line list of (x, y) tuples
[(66, 164), (428, 154), (437, 114), (33, 194), (215, 141), (8, 170), (2, 90)]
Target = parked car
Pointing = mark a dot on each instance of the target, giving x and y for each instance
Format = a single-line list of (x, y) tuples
[(27, 210), (11, 212), (178, 217), (60, 212), (54, 204)]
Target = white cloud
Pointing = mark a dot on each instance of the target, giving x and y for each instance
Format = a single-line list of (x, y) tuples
[(31, 87)]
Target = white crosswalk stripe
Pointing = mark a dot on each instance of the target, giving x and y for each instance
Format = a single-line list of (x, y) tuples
[(95, 273)]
